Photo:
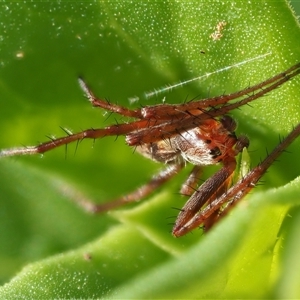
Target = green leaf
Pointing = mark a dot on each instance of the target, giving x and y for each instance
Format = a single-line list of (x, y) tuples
[(49, 248)]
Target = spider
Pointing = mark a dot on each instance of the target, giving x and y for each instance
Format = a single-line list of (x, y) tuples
[(197, 132)]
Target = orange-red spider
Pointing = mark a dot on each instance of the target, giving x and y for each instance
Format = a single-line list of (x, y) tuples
[(198, 132)]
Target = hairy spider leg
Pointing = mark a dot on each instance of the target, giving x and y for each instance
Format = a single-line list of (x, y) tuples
[(134, 113), (232, 196), (215, 216), (114, 130), (155, 182), (90, 133), (165, 111)]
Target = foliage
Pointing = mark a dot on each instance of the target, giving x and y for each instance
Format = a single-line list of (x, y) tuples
[(124, 49)]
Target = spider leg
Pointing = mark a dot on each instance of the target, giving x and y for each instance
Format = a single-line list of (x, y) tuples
[(190, 185), (240, 189), (155, 182), (135, 113), (166, 111), (215, 216), (118, 129)]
